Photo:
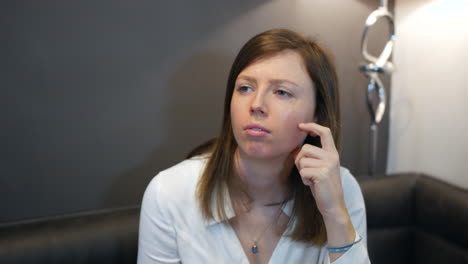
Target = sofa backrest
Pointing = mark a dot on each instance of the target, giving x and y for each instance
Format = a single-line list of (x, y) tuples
[(441, 222), (389, 217), (94, 237), (413, 218)]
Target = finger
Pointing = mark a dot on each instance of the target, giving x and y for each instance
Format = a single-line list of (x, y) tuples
[(310, 151), (309, 175), (307, 181), (326, 137), (309, 163)]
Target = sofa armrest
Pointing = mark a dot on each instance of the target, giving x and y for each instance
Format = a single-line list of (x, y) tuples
[(94, 237)]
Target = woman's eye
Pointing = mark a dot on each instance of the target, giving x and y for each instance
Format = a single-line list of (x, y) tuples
[(283, 93), (244, 89)]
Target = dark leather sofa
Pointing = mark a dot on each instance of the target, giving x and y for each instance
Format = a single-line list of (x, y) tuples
[(412, 218), (94, 237), (415, 219)]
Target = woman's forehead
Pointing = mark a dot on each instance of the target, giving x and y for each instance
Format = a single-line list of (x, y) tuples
[(284, 66)]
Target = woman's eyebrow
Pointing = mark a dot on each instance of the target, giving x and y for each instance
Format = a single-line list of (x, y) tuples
[(283, 81), (274, 81), (246, 78)]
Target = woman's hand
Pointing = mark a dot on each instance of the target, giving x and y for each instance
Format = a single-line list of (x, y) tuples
[(320, 170)]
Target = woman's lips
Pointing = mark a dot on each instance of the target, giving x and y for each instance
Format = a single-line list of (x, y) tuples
[(256, 130)]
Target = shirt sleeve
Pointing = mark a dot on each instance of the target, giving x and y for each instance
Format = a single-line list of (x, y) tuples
[(157, 242), (357, 254)]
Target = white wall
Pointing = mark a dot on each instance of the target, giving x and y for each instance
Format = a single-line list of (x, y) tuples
[(428, 119)]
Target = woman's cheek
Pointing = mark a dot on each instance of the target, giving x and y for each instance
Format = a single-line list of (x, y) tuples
[(297, 136)]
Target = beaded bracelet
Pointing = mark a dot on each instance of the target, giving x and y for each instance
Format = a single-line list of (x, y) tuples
[(343, 248)]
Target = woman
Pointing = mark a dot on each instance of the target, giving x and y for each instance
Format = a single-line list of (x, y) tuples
[(270, 188)]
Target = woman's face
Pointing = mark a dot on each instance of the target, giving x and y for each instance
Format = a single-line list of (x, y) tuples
[(271, 97)]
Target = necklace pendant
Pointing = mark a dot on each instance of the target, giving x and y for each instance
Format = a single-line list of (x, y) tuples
[(254, 249)]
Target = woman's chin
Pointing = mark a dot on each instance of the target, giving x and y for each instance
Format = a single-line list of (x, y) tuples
[(262, 152)]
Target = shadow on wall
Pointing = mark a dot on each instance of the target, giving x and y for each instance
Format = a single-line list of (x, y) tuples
[(193, 115)]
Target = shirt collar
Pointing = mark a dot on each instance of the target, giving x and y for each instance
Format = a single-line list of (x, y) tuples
[(229, 210)]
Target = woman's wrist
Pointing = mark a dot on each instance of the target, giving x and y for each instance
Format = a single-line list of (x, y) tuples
[(344, 248), (340, 232), (340, 229)]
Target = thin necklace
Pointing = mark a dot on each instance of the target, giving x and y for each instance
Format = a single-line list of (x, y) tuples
[(255, 242)]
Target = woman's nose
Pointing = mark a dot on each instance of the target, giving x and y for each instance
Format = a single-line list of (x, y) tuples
[(258, 105)]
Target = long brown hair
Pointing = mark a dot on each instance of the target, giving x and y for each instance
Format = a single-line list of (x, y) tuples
[(219, 171)]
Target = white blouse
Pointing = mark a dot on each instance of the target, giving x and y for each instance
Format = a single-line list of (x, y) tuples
[(172, 229)]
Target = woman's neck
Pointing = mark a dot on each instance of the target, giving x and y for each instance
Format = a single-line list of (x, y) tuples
[(266, 181)]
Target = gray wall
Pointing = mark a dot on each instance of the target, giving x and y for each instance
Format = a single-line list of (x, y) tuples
[(98, 96)]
